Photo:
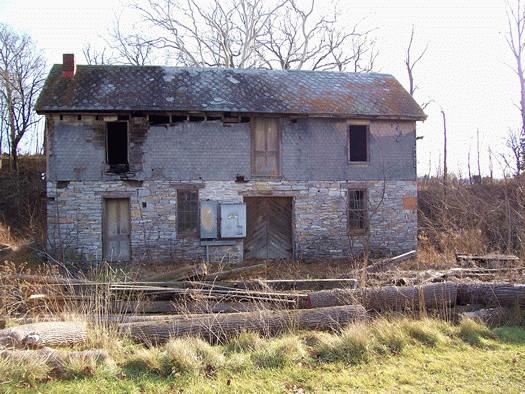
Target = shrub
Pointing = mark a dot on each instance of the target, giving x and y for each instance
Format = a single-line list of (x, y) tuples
[(473, 332), (279, 352), (246, 341), (350, 346), (29, 370), (192, 355), (423, 331), (389, 337), (148, 360)]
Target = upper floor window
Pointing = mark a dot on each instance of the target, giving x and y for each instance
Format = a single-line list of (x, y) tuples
[(266, 147), (117, 145), (187, 213), (358, 143)]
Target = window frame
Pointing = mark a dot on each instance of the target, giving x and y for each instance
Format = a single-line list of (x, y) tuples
[(253, 130), (367, 141), (193, 233), (107, 146), (365, 229)]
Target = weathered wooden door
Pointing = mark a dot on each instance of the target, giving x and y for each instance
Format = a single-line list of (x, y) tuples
[(116, 235), (268, 228)]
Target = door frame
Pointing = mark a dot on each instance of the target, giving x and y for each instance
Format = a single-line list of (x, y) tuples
[(104, 219), (276, 195)]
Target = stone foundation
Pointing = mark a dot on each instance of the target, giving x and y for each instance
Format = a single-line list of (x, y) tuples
[(75, 211)]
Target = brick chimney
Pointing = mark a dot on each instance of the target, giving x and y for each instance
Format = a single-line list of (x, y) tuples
[(68, 65)]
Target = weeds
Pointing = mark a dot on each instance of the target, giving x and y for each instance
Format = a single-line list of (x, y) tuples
[(473, 332)]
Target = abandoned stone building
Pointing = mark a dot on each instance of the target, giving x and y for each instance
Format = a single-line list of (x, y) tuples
[(166, 163)]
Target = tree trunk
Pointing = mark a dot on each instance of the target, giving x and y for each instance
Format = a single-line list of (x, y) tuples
[(217, 327), (388, 298), (492, 316), (44, 334), (491, 294)]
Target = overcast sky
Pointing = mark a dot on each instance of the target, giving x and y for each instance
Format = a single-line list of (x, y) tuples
[(465, 70)]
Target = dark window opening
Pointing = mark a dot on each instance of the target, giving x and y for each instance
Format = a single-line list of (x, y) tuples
[(123, 117), (211, 118), (197, 118), (159, 119), (117, 146), (358, 143), (179, 118), (187, 213), (357, 211), (245, 119)]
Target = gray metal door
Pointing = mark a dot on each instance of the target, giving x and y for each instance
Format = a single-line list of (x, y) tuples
[(117, 245)]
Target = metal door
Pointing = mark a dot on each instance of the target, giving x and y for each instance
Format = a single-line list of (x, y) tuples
[(269, 228), (117, 246)]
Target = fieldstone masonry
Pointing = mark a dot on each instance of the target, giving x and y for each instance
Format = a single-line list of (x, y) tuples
[(75, 211)]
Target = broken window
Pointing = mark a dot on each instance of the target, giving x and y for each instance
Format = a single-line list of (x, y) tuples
[(117, 145), (357, 210), (187, 213), (158, 119), (358, 137), (266, 147)]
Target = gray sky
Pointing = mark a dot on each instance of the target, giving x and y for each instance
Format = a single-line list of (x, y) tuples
[(465, 70)]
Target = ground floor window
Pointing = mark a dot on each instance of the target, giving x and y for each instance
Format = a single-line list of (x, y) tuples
[(357, 210), (187, 213)]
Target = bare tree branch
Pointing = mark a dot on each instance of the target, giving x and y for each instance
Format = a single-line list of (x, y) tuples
[(22, 70)]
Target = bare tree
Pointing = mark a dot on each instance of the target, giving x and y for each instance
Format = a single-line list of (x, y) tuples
[(249, 34), (129, 48), (512, 141), (95, 56), (22, 70), (411, 60), (516, 41)]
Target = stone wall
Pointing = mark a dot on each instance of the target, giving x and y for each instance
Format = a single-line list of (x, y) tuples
[(75, 211)]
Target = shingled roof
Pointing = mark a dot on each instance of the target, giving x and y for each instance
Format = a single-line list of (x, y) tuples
[(155, 88)]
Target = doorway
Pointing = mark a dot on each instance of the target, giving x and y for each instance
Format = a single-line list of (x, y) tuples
[(268, 228), (116, 235)]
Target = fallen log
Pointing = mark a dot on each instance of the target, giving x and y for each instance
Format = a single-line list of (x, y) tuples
[(295, 284), (388, 298), (492, 316), (134, 307), (388, 263), (217, 327), (181, 273), (491, 294), (44, 334)]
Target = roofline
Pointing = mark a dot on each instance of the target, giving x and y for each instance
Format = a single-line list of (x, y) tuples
[(306, 115)]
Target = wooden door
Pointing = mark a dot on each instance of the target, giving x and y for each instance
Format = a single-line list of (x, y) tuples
[(268, 228), (117, 246)]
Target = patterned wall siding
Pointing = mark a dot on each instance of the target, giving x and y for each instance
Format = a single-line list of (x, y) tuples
[(75, 218), (312, 150)]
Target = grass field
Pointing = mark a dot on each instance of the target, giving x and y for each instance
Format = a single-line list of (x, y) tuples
[(405, 356)]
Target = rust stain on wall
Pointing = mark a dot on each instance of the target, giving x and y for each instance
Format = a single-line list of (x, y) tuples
[(410, 202)]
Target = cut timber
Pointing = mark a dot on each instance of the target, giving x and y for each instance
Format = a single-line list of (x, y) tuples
[(388, 298), (488, 260), (216, 327), (235, 272), (134, 307), (182, 273), (296, 284), (388, 263), (492, 316), (44, 334), (491, 294)]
